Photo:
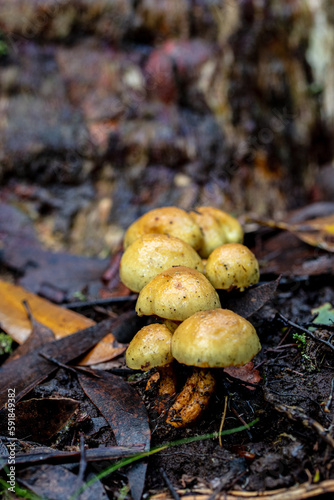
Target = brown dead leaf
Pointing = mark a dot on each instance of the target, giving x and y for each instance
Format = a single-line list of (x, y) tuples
[(105, 350), (317, 232), (246, 373), (50, 413), (126, 414), (251, 300), (57, 482)]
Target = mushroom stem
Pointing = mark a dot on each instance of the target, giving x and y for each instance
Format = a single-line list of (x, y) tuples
[(165, 377), (193, 399)]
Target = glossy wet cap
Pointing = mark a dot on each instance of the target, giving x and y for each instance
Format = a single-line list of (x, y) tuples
[(176, 294), (172, 221), (232, 266), (150, 348), (212, 228), (153, 253), (218, 227), (215, 338)]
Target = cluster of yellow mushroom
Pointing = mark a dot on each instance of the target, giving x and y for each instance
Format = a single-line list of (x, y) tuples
[(164, 261)]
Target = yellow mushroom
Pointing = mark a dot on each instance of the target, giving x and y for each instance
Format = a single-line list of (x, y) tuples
[(151, 348), (212, 228), (215, 338), (232, 266), (166, 220), (176, 294), (218, 227), (151, 254)]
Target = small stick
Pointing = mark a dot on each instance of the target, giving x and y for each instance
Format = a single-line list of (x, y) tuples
[(329, 400), (305, 330), (242, 421), (171, 488), (69, 368), (222, 422), (99, 302), (83, 461)]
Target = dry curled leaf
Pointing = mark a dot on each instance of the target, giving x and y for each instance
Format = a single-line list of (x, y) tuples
[(317, 232), (246, 373)]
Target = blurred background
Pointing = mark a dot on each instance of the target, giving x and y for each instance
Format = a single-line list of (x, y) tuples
[(109, 108)]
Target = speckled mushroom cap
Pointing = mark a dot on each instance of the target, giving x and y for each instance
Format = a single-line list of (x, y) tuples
[(232, 266), (212, 228), (166, 220), (152, 253), (230, 228), (215, 338), (149, 348), (176, 294)]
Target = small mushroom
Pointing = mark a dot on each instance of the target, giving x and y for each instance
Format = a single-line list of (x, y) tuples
[(166, 220), (218, 227), (152, 253), (215, 338), (176, 294), (231, 266), (151, 348)]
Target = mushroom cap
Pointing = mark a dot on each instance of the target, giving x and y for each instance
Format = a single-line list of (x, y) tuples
[(232, 266), (166, 220), (212, 228), (176, 294), (214, 339), (149, 348), (152, 253), (233, 232)]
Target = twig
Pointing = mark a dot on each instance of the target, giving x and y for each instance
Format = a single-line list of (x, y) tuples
[(99, 302), (330, 398), (298, 415), (306, 331), (242, 421), (171, 488), (222, 422), (83, 461), (86, 371)]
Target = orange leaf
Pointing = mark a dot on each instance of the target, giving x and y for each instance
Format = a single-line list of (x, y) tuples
[(15, 322)]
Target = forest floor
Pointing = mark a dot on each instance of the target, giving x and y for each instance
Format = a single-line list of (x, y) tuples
[(286, 399)]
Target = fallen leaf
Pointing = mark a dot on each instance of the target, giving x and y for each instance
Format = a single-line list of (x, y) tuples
[(51, 414), (324, 315), (251, 300), (126, 414), (246, 373), (56, 483), (107, 349), (286, 254), (40, 335), (26, 372), (317, 232), (15, 322), (14, 319)]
